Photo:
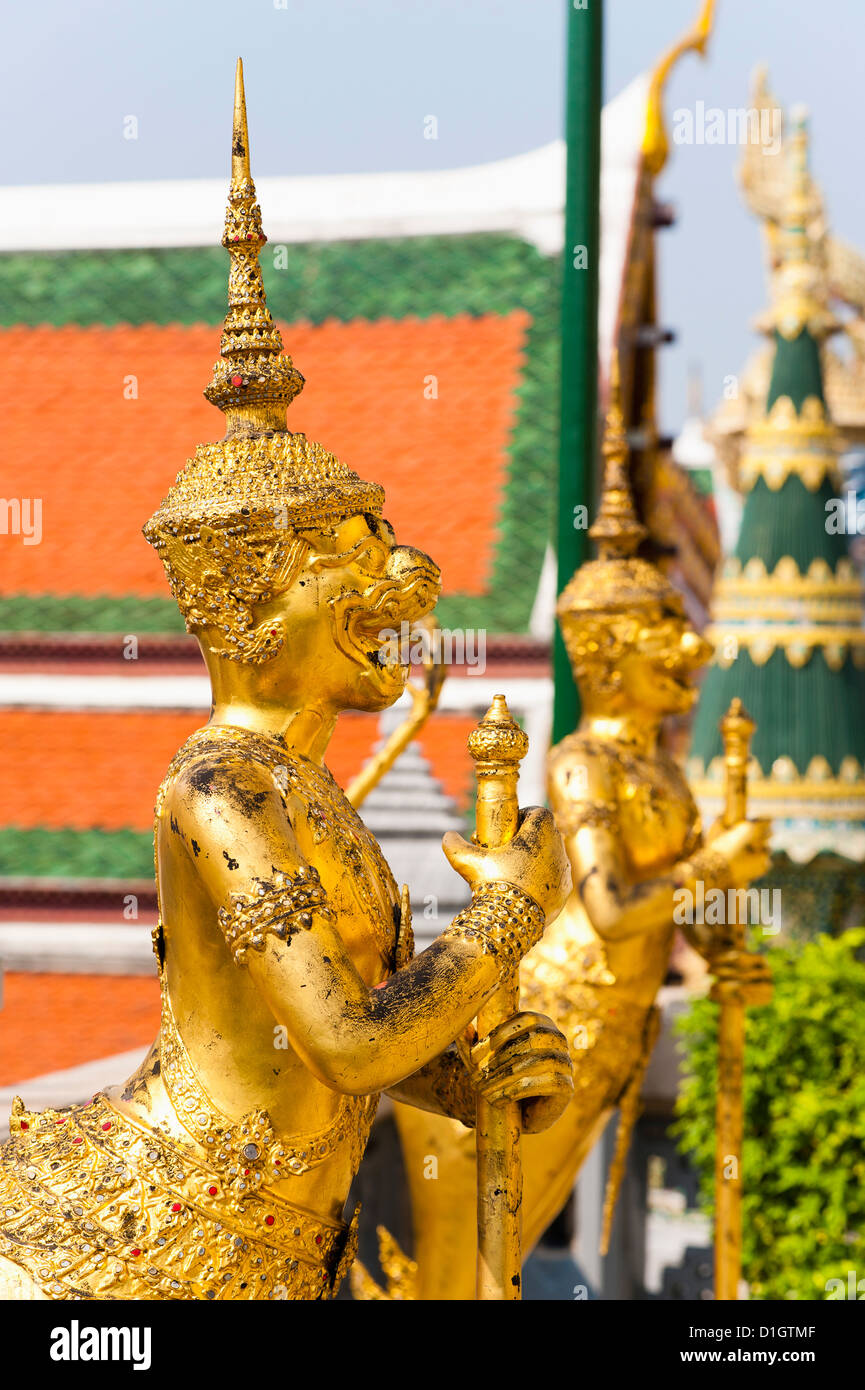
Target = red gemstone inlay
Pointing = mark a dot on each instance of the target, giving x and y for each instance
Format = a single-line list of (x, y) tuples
[(136, 1251), (237, 381), (25, 1124), (62, 1120), (213, 1191), (269, 1220), (107, 1124), (78, 1139), (175, 1206), (246, 1172), (318, 1240)]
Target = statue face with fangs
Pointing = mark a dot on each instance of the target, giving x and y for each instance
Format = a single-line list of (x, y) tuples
[(354, 585)]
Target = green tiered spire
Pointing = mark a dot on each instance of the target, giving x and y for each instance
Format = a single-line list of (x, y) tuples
[(788, 607)]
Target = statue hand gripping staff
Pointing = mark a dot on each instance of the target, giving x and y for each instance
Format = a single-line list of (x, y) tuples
[(221, 1168)]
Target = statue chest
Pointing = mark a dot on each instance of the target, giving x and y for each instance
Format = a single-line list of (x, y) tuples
[(658, 817), (351, 866)]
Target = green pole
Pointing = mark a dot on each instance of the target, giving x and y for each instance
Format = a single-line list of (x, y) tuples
[(579, 377)]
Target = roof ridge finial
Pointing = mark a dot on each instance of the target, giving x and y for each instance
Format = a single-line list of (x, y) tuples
[(617, 530), (254, 380)]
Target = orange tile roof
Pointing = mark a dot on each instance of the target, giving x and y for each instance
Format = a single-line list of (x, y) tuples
[(101, 463), (50, 1022), (80, 770)]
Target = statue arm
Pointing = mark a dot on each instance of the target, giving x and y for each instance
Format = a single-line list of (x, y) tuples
[(584, 801), (356, 1038), (443, 1087)]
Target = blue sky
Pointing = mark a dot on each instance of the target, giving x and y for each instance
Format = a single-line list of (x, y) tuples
[(341, 85)]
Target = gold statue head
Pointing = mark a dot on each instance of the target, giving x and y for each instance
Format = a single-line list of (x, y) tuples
[(265, 531), (629, 641)]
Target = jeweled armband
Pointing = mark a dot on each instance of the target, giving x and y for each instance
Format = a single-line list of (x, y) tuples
[(503, 920), (280, 906)]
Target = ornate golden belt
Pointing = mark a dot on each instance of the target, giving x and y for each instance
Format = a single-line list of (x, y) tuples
[(96, 1205), (91, 1205)]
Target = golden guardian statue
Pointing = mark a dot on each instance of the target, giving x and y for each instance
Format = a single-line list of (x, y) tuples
[(290, 996), (633, 837)]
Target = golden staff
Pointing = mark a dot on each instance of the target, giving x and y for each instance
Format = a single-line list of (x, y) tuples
[(425, 698), (741, 978), (497, 746)]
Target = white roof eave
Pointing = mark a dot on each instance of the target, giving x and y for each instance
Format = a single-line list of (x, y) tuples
[(522, 195)]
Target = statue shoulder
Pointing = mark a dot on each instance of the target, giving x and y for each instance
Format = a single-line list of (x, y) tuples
[(582, 768), (239, 774), (582, 785)]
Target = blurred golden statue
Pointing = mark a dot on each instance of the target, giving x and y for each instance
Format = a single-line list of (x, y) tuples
[(290, 999), (633, 837)]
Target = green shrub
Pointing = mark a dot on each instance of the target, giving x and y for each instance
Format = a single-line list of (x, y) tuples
[(803, 1163)]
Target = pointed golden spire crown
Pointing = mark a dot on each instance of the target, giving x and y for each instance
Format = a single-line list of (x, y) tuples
[(617, 530), (228, 530), (254, 380), (618, 581)]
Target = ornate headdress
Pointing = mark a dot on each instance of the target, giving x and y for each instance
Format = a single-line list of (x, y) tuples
[(227, 533), (617, 582)]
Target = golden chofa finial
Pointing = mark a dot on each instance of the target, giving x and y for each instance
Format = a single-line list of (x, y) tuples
[(254, 380), (617, 530), (656, 146)]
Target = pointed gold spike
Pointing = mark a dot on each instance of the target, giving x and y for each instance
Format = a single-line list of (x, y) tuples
[(240, 131), (254, 380), (617, 529)]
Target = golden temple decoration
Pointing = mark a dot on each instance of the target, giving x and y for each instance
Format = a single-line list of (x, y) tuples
[(785, 791), (838, 275), (742, 978), (787, 611), (820, 584), (254, 380), (400, 1274), (762, 640), (497, 746), (789, 444), (655, 143), (799, 298)]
